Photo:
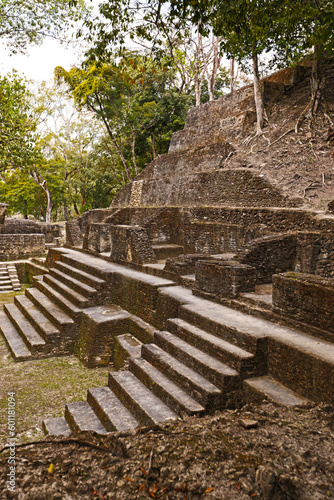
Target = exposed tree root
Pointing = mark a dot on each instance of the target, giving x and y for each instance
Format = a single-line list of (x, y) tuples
[(281, 137), (303, 114)]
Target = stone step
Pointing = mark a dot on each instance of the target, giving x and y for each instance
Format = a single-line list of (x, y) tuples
[(223, 256), (89, 279), (63, 304), (13, 340), (110, 411), (56, 427), (59, 318), (167, 250), (41, 323), (158, 265), (6, 288), (215, 371), (145, 406), (76, 298), (199, 388), (260, 388), (171, 394), (73, 283), (92, 266), (284, 351), (81, 417), (126, 346), (31, 338), (225, 352), (40, 261), (189, 277), (5, 281), (262, 296), (230, 325), (35, 269)]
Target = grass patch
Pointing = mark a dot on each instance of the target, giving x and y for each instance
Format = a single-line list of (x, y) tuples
[(42, 388)]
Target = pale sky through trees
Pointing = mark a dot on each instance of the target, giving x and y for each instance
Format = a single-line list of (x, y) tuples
[(39, 62)]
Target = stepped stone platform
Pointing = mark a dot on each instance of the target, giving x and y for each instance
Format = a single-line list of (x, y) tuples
[(177, 353)]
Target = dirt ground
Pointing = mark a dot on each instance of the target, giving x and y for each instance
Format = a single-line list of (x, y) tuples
[(301, 164), (262, 452)]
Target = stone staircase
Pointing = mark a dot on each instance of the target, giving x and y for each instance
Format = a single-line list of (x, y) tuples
[(209, 357), (44, 321), (9, 281)]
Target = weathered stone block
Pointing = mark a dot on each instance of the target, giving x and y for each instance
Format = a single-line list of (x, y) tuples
[(270, 255), (135, 296), (98, 237), (130, 244), (184, 264), (308, 251), (305, 297), (16, 246), (97, 332), (74, 235), (224, 278)]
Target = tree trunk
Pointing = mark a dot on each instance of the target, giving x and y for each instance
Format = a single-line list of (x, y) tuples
[(259, 104), (65, 210), (118, 149), (134, 161), (83, 198), (197, 79), (153, 146), (25, 209), (76, 208), (42, 182), (232, 75), (48, 204), (215, 65), (316, 83)]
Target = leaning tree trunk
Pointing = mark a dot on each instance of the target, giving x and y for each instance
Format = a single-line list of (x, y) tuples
[(42, 182), (259, 104)]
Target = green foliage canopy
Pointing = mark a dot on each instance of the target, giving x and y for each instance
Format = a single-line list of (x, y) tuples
[(18, 139), (23, 22), (136, 100)]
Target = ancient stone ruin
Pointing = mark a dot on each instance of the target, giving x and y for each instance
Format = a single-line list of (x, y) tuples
[(21, 238), (205, 285)]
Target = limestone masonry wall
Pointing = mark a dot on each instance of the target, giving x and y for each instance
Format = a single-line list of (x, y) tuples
[(17, 246), (202, 159), (76, 229), (15, 226), (305, 297), (240, 187)]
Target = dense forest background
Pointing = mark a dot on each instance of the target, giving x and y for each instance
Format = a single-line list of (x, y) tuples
[(69, 145)]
